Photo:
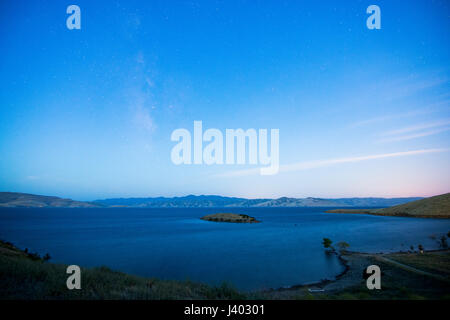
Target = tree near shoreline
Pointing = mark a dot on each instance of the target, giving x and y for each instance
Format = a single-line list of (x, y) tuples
[(343, 246), (327, 244)]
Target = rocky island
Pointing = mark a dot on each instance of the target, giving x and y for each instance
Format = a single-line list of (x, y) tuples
[(229, 217)]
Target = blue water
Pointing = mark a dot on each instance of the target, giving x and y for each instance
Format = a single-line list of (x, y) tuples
[(283, 250)]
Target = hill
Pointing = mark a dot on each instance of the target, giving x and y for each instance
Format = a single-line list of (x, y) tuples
[(190, 201), (204, 201), (433, 207), (26, 276), (16, 199)]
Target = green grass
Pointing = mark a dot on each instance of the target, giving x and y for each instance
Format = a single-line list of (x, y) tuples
[(27, 276), (433, 207), (438, 263), (24, 277), (400, 284)]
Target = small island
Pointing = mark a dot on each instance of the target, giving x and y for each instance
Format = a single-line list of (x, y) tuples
[(229, 217)]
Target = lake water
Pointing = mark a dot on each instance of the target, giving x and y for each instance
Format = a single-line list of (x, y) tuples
[(283, 250)]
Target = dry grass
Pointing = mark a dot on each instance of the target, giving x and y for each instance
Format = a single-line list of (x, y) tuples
[(433, 207), (22, 277), (437, 263), (436, 207)]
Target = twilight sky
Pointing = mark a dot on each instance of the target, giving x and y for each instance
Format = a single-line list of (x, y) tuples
[(88, 113)]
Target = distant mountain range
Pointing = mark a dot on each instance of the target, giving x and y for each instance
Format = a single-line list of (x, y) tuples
[(14, 199), (192, 201)]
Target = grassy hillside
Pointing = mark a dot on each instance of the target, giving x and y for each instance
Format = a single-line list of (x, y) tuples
[(27, 276), (433, 207), (16, 199)]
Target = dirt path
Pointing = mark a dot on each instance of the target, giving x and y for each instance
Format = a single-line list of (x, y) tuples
[(409, 268), (352, 280), (358, 262)]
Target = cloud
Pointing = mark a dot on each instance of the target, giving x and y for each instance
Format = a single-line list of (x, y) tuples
[(299, 166), (418, 127), (406, 88), (413, 85), (416, 131), (415, 135), (393, 117)]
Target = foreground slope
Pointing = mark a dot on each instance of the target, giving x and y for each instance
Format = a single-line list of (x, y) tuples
[(26, 276)]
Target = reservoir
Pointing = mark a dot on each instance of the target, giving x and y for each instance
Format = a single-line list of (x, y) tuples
[(174, 243)]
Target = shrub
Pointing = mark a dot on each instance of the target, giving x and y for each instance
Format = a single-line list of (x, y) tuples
[(343, 245), (327, 244)]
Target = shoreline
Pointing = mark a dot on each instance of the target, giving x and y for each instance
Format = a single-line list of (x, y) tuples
[(315, 283), (374, 213), (347, 281), (321, 285)]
